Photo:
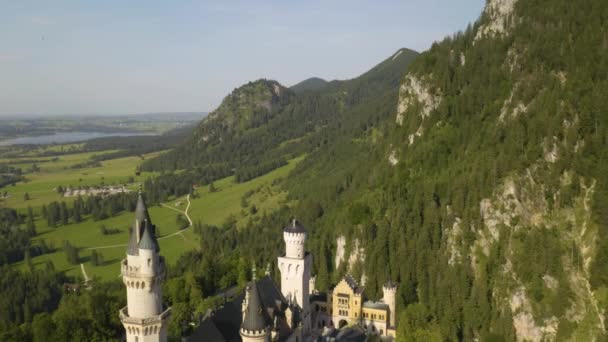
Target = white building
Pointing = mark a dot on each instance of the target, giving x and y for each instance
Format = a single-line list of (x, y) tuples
[(295, 269), (143, 270)]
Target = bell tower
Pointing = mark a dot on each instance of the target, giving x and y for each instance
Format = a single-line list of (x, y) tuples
[(295, 269), (143, 270)]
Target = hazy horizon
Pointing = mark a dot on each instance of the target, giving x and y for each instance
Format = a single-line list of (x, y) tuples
[(115, 58)]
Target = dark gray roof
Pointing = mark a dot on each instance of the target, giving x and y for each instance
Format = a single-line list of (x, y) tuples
[(141, 215), (375, 305), (207, 331), (351, 334), (352, 283), (390, 283), (147, 240), (318, 297), (255, 318), (295, 227), (132, 248), (228, 318), (141, 211)]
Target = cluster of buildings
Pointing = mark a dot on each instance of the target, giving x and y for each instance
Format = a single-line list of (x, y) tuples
[(265, 311), (103, 191)]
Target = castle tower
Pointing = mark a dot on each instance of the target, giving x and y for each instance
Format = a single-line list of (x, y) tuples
[(253, 327), (144, 318), (295, 269), (311, 285), (389, 291)]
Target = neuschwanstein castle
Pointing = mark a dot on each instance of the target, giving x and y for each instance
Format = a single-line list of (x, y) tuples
[(295, 311)]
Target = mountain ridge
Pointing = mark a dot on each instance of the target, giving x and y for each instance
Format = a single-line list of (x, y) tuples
[(309, 84), (263, 121)]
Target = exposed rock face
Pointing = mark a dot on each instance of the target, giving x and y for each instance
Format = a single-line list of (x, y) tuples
[(519, 205), (551, 151), (392, 158), (510, 110), (499, 15), (416, 97), (357, 253), (454, 235), (412, 91), (524, 323)]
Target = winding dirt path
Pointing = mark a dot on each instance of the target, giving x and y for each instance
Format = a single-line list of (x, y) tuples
[(185, 212), (84, 273)]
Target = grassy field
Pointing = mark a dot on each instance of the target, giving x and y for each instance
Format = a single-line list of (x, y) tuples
[(211, 208), (214, 208), (41, 186)]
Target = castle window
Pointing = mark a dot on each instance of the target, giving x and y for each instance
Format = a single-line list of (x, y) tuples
[(149, 262)]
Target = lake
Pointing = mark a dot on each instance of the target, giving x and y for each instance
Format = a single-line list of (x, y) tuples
[(61, 138)]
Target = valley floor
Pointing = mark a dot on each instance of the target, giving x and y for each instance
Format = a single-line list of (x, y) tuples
[(208, 208)]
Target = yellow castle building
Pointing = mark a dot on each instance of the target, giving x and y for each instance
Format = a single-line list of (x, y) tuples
[(345, 305)]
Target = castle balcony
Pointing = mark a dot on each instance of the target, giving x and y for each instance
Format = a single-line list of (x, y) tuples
[(126, 319), (135, 271), (127, 270)]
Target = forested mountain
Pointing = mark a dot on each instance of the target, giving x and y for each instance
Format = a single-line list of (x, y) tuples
[(486, 194), (475, 175), (262, 123), (313, 83)]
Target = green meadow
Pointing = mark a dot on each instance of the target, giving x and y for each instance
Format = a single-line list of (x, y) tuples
[(41, 186), (213, 208), (210, 208)]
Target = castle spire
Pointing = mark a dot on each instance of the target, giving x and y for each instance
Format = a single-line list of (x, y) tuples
[(253, 327), (143, 271)]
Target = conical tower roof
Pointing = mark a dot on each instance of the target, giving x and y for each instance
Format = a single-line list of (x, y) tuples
[(132, 248), (147, 239), (295, 227), (254, 313), (142, 219), (141, 211)]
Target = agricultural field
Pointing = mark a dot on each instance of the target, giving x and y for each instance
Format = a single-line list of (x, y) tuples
[(241, 201), (41, 186), (213, 208)]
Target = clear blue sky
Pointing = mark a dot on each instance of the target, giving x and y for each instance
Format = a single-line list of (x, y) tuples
[(110, 57)]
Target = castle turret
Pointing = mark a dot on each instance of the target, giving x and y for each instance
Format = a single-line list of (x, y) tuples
[(253, 327), (389, 291), (295, 269), (143, 271), (311, 285)]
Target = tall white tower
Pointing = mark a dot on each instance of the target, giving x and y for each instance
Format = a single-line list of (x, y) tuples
[(295, 271), (143, 270), (389, 290)]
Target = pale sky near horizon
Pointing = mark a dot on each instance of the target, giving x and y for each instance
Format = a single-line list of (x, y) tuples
[(122, 57)]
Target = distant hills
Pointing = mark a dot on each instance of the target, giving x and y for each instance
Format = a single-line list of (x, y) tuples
[(262, 122), (313, 83)]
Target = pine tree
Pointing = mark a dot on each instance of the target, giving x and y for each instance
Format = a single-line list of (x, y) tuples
[(31, 226)]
